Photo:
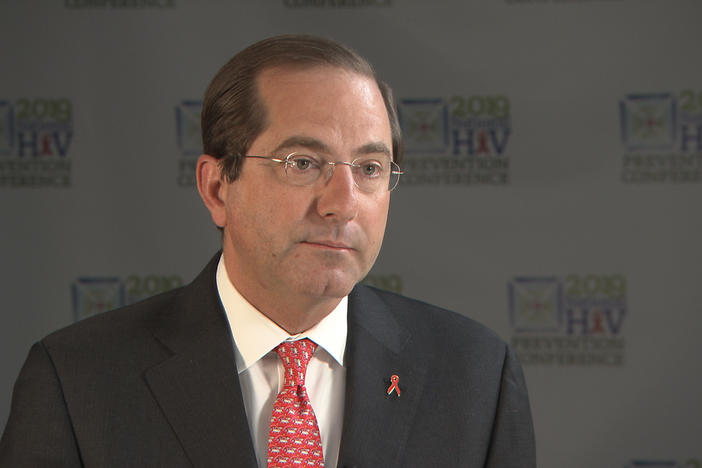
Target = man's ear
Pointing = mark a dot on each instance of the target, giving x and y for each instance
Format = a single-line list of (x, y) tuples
[(212, 187)]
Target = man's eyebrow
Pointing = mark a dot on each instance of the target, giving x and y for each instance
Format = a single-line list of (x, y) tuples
[(375, 147), (303, 141), (320, 147)]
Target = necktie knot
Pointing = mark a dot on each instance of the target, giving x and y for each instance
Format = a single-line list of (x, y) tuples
[(295, 356)]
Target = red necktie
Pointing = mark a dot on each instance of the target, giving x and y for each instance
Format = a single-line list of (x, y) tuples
[(294, 438)]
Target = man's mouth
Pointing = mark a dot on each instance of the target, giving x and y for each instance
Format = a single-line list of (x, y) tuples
[(328, 244)]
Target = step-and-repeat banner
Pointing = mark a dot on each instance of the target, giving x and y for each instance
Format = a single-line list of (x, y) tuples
[(553, 184)]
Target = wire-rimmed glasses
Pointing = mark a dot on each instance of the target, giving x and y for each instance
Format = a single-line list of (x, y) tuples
[(370, 175)]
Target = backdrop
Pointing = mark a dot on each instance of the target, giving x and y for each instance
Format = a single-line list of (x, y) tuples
[(552, 189)]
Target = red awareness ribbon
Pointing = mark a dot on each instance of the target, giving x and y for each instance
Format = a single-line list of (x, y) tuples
[(393, 386)]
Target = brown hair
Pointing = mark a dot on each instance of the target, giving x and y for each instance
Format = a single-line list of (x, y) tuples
[(232, 112)]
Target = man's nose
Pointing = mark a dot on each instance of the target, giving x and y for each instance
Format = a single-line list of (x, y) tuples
[(338, 199)]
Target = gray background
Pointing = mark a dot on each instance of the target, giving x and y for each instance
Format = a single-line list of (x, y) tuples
[(565, 66)]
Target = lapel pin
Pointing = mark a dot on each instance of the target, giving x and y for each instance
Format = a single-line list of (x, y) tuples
[(394, 379)]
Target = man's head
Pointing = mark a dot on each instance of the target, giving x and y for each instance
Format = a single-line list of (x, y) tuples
[(232, 113), (293, 250)]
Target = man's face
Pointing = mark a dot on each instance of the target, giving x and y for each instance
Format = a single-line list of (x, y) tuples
[(320, 240)]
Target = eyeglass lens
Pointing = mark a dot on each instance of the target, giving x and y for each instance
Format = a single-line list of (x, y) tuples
[(369, 174)]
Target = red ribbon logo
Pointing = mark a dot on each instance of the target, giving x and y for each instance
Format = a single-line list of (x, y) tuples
[(393, 386)]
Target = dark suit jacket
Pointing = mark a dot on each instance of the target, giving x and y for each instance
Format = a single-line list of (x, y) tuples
[(155, 385)]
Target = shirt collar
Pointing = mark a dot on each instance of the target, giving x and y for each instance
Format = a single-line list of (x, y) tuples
[(255, 334)]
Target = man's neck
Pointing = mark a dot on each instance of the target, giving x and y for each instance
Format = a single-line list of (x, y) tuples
[(298, 319), (294, 313)]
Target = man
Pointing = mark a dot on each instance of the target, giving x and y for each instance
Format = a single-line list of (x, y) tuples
[(301, 143)]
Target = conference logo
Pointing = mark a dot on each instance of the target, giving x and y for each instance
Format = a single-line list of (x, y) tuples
[(662, 136), (92, 295), (689, 463), (337, 3), (119, 4), (575, 320), (456, 141), (35, 140), (189, 140)]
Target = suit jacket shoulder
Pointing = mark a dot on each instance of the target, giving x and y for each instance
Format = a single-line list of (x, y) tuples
[(432, 322), (151, 384)]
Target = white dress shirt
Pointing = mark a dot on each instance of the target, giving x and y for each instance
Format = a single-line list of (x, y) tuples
[(261, 370)]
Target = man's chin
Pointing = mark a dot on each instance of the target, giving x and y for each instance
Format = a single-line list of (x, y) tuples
[(332, 285)]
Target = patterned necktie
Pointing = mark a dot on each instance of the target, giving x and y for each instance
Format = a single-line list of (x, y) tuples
[(294, 438)]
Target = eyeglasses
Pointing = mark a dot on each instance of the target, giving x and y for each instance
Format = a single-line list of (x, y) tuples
[(369, 175)]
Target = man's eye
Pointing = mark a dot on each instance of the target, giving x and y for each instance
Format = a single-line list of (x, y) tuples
[(302, 163), (371, 169)]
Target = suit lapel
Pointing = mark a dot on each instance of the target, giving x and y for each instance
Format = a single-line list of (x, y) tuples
[(197, 388), (376, 425)]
